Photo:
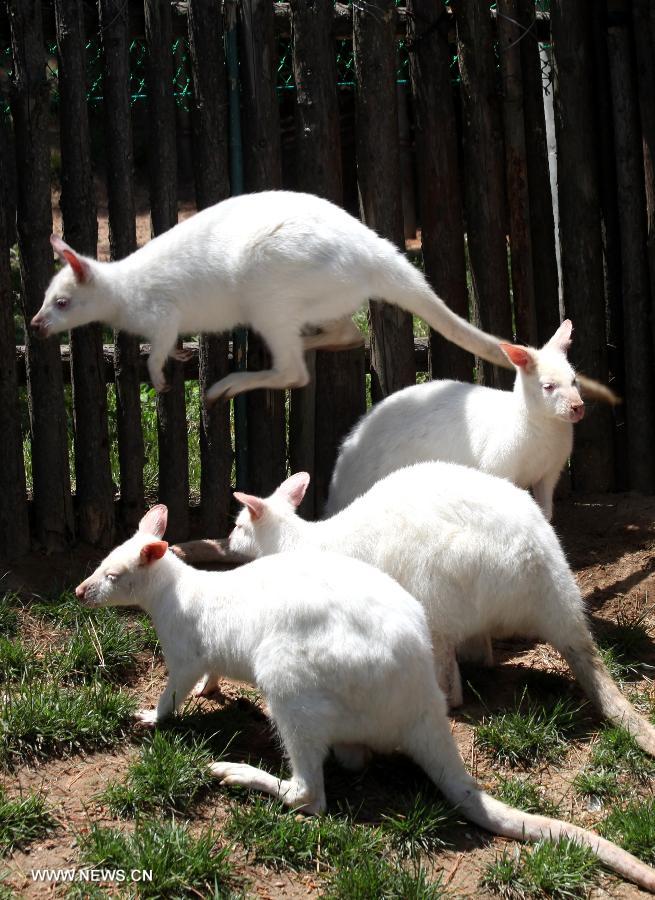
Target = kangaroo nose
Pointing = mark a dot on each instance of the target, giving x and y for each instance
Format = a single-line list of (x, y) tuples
[(37, 326), (80, 590), (578, 410)]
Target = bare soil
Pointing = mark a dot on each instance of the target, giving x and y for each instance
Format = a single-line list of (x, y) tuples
[(610, 542)]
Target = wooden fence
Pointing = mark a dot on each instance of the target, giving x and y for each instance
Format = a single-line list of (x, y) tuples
[(476, 154)]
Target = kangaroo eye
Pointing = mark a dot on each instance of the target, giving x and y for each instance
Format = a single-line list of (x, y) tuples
[(62, 302), (549, 388)]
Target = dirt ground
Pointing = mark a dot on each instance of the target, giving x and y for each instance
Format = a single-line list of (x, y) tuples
[(610, 542)]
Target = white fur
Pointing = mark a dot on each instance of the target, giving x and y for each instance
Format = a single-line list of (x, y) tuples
[(278, 262), (342, 655), (524, 435), (473, 549)]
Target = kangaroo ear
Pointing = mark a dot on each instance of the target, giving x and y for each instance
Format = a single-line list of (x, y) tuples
[(152, 552), (254, 505), (293, 489), (521, 357), (155, 521), (80, 266), (562, 340)]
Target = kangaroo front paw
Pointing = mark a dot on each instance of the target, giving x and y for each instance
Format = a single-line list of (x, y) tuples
[(146, 717)]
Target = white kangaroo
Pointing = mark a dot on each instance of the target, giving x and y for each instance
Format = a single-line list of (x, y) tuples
[(342, 656), (279, 262), (474, 550), (524, 435)]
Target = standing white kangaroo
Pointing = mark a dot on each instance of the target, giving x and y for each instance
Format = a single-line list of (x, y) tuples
[(525, 435), (342, 656), (474, 550)]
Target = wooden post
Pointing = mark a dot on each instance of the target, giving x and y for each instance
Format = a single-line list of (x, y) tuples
[(638, 340), (510, 35), (211, 166), (171, 408), (484, 176), (30, 105), (378, 175), (580, 235), (114, 28), (437, 164), (542, 223), (94, 491), (14, 523), (263, 171)]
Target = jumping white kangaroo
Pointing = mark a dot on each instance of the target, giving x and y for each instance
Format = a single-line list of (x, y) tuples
[(277, 261), (342, 656)]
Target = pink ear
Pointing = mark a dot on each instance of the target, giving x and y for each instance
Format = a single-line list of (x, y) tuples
[(255, 505), (520, 356), (155, 520), (562, 337), (293, 489), (152, 552), (79, 266)]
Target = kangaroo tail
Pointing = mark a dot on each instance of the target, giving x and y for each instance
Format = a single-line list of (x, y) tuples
[(208, 551), (431, 744), (590, 670)]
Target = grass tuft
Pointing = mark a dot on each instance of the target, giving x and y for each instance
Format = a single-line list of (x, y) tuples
[(169, 775), (633, 828), (8, 614), (525, 795), (15, 660), (420, 829), (103, 648), (602, 783), (22, 820), (558, 870), (378, 879), (616, 749)]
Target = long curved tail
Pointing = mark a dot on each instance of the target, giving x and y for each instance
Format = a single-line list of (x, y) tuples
[(432, 746), (590, 670)]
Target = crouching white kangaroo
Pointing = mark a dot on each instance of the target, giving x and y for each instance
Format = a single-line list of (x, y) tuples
[(473, 549), (277, 261), (340, 652), (524, 435)]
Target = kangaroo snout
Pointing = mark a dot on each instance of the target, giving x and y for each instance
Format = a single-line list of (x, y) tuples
[(80, 591), (39, 327), (577, 411)]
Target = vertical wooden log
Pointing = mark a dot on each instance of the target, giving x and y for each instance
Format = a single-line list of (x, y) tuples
[(484, 175), (14, 523), (171, 408), (263, 171), (94, 489), (437, 164), (639, 381), (580, 235), (542, 223), (510, 35), (378, 175), (114, 28), (30, 103), (209, 125)]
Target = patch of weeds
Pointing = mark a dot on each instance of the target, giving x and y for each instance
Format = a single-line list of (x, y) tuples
[(182, 865), (276, 837), (559, 870), (41, 719), (375, 878), (63, 610), (616, 749), (525, 795), (22, 820), (105, 648), (420, 829), (602, 783), (623, 650), (8, 614), (169, 776), (633, 828), (15, 660), (533, 731)]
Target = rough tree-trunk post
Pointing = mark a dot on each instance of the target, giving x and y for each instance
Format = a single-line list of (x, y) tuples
[(171, 408), (484, 175), (30, 105), (580, 230), (114, 29), (263, 171), (437, 163), (14, 522), (378, 175), (211, 166), (94, 490)]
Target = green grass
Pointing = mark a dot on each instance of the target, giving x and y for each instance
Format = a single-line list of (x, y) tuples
[(40, 719), (104, 648), (623, 649), (524, 794), (532, 732), (558, 870), (183, 865), (420, 829), (633, 828), (169, 775), (616, 750), (379, 879), (22, 820), (15, 660), (8, 614), (602, 783)]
